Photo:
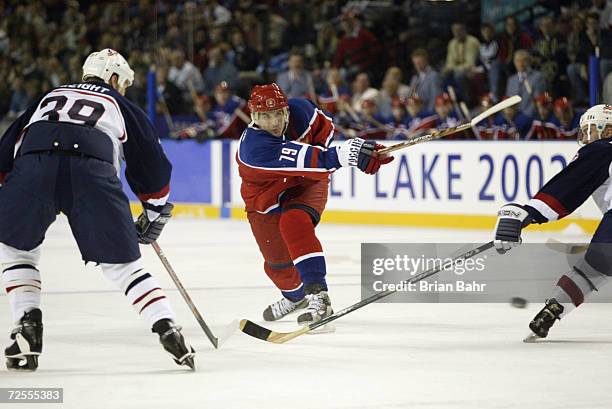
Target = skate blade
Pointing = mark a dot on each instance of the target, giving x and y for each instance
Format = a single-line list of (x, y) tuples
[(187, 360), (325, 329), (531, 338), (27, 363)]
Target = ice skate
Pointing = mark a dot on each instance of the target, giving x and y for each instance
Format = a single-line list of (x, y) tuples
[(282, 308), (544, 320), (318, 308), (173, 342), (22, 354)]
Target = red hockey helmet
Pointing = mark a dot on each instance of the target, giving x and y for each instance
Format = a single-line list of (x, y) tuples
[(266, 98), (543, 99), (443, 99), (562, 104)]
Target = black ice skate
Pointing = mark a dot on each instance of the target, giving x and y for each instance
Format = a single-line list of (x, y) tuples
[(319, 305), (282, 308), (544, 320), (173, 342), (22, 354)]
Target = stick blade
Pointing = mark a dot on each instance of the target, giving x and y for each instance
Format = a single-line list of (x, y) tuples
[(226, 332), (513, 100), (259, 332)]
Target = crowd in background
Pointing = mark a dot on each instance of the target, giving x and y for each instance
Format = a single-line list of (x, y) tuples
[(385, 69)]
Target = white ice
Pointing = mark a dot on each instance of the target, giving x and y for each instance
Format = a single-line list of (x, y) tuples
[(382, 356)]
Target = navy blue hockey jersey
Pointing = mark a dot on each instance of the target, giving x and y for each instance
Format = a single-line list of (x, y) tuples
[(587, 174), (95, 107)]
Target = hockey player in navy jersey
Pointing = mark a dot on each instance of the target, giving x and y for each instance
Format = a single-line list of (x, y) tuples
[(62, 155), (285, 159), (588, 174)]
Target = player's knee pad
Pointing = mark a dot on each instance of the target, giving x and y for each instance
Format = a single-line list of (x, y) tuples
[(10, 256), (138, 285)]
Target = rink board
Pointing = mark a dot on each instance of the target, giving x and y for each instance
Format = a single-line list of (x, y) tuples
[(446, 184)]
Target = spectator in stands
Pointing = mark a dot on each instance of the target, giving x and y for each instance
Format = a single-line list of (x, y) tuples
[(20, 99), (511, 124), (461, 57), (544, 123), (169, 96), (229, 114), (299, 32), (511, 40), (219, 70), (603, 9), (358, 50), (388, 93), (446, 115), (361, 91), (370, 124), (419, 119), (395, 72), (578, 49), (184, 75), (549, 54), (296, 81), (489, 58), (327, 43), (527, 82), (485, 129), (426, 82), (332, 91), (242, 55), (567, 121)]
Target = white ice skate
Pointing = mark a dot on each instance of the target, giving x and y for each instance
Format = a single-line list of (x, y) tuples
[(282, 308)]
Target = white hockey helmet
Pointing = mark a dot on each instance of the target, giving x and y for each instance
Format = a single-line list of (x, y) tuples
[(104, 63), (596, 123)]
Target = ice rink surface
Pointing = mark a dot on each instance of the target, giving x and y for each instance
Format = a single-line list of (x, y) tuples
[(383, 356)]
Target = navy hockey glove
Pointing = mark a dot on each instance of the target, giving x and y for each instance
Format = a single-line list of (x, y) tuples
[(362, 154), (511, 219), (150, 223)]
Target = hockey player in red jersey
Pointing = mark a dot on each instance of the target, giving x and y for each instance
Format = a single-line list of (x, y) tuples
[(285, 159), (588, 174)]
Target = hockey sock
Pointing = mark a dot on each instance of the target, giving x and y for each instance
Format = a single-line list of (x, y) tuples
[(21, 279), (287, 279), (576, 285), (141, 289), (305, 249)]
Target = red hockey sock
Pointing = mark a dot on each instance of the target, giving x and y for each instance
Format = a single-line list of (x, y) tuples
[(298, 232)]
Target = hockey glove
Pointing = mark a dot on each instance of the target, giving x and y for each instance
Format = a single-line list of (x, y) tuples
[(150, 223), (511, 219), (362, 154)]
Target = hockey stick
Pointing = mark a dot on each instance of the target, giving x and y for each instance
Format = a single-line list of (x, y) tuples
[(226, 332), (439, 134), (566, 248), (257, 331)]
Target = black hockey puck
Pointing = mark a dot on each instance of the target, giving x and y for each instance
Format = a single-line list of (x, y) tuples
[(518, 302)]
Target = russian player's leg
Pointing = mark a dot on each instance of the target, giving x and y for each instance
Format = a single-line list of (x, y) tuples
[(301, 208), (589, 274), (277, 265), (100, 218), (27, 209)]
